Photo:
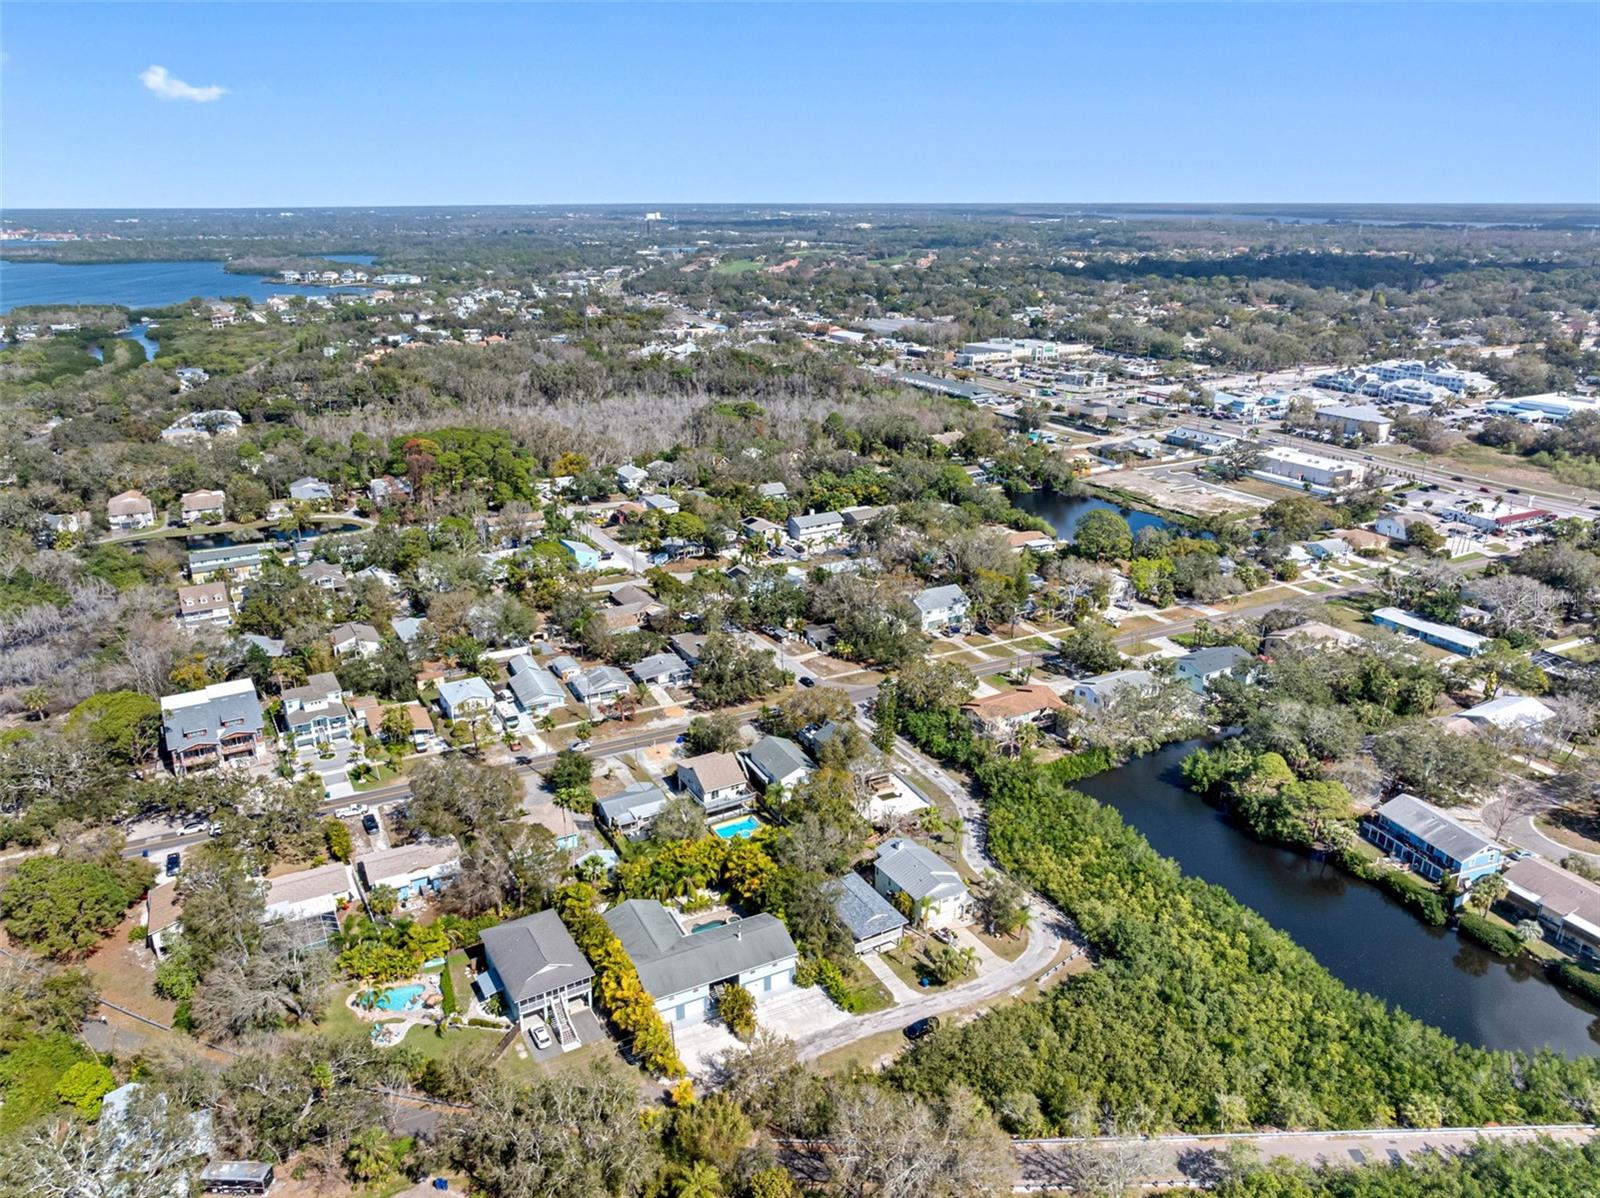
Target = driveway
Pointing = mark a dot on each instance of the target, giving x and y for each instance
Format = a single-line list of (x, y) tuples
[(790, 1014)]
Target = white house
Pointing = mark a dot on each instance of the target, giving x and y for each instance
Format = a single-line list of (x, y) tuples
[(130, 510), (815, 527), (1094, 693), (535, 689), (465, 698), (202, 505), (716, 782), (360, 640), (204, 604), (776, 761), (938, 607), (630, 478), (1200, 666), (938, 895)]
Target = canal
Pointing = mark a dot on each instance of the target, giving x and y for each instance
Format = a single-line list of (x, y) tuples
[(1359, 934)]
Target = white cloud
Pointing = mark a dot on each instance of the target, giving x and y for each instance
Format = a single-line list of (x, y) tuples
[(169, 87)]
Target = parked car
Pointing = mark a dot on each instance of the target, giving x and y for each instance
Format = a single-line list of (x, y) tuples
[(540, 1034), (808, 681), (369, 824), (922, 1027), (944, 935), (173, 861)]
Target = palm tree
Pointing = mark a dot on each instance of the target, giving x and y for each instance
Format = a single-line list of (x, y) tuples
[(698, 1180)]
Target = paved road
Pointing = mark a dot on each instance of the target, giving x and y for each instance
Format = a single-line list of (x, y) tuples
[(1192, 1161), (1524, 833)]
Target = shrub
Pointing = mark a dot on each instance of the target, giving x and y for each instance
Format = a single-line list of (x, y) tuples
[(1493, 937), (84, 1085), (1579, 980)]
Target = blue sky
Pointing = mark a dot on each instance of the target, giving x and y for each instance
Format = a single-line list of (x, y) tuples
[(501, 103)]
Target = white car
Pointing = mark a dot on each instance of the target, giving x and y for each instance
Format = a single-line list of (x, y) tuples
[(540, 1034)]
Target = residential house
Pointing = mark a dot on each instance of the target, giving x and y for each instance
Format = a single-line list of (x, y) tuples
[(815, 527), (220, 724), (776, 761), (688, 646), (203, 604), (1508, 711), (202, 505), (602, 684), (873, 923), (1329, 549), (1443, 636), (1432, 843), (538, 971), (163, 917), (632, 811), (630, 478), (772, 491), (999, 717), (130, 510), (325, 576), (763, 532), (584, 557), (1094, 693), (311, 900), (716, 782), (939, 607), (1362, 539), (407, 629), (1311, 634), (465, 698), (359, 640), (665, 504), (536, 691), (664, 669), (938, 896), (820, 636), (54, 525), (236, 562), (1566, 905), (628, 617), (315, 713), (565, 667), (412, 869), (681, 970), (386, 489), (310, 490), (1201, 666)]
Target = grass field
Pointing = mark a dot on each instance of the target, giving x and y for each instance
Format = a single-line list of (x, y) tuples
[(736, 266)]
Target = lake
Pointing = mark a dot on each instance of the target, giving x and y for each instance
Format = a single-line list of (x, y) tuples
[(1359, 934), (1064, 511), (141, 284)]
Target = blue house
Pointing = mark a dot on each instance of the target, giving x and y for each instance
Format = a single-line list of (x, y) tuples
[(1432, 843), (1443, 636), (585, 557)]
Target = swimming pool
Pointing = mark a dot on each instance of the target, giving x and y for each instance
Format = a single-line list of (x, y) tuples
[(707, 926), (399, 998), (742, 827)]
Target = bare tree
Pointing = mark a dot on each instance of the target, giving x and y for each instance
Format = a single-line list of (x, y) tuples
[(153, 1148)]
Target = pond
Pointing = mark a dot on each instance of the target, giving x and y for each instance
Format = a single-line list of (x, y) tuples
[(1359, 934), (1064, 511)]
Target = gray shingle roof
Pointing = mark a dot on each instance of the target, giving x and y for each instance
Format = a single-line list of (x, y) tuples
[(600, 682), (775, 757), (1219, 657), (938, 599), (203, 717), (534, 955), (861, 908), (640, 801), (671, 961), (658, 665)]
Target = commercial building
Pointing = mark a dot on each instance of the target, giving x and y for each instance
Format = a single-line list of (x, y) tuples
[(1286, 464), (1443, 636), (220, 724), (1201, 440), (681, 970), (1432, 843), (1364, 421)]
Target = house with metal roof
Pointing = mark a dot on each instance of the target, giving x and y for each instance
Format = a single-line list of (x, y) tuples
[(872, 921), (938, 896), (776, 761), (310, 490), (716, 782), (1430, 632), (535, 689), (681, 969), (937, 607), (1508, 711), (1094, 693), (1432, 843), (220, 724), (633, 810), (602, 684), (537, 969), (814, 526)]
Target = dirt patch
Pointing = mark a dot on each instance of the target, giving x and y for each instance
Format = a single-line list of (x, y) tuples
[(1187, 496), (1571, 829), (125, 972)]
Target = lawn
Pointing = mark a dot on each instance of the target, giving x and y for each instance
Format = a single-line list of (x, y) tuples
[(1140, 648), (736, 266), (1314, 586), (1007, 948), (866, 1053), (381, 774)]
